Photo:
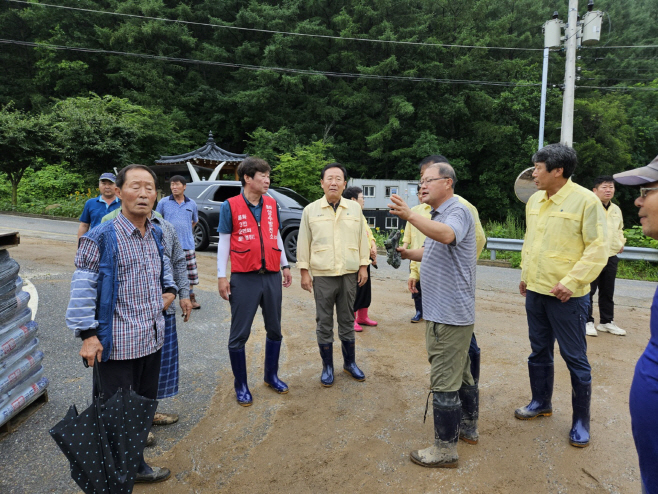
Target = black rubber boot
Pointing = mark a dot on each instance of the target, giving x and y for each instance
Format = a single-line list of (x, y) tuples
[(581, 396), (271, 378), (468, 427), (475, 365), (447, 415), (349, 365), (327, 354), (239, 366), (541, 385)]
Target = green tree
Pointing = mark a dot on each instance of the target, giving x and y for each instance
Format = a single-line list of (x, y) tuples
[(25, 142), (300, 169)]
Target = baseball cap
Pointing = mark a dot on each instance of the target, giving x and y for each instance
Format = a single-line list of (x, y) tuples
[(108, 176), (639, 176)]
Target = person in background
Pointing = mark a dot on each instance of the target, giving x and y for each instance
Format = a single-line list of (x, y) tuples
[(564, 250), (363, 293), (249, 234), (96, 208), (643, 400), (333, 246), (604, 188), (448, 273), (414, 239), (119, 291), (181, 211)]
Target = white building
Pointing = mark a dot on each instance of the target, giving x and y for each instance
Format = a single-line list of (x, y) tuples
[(376, 197)]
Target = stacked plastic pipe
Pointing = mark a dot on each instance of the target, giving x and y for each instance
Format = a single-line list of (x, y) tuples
[(21, 373)]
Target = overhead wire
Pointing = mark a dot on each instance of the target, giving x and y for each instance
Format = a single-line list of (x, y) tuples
[(269, 31), (261, 67)]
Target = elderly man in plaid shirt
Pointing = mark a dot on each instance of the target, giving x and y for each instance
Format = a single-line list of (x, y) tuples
[(169, 375), (119, 292)]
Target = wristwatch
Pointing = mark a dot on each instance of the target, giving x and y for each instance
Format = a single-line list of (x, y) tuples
[(287, 266)]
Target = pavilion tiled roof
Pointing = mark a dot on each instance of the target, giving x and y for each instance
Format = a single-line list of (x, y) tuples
[(210, 152)]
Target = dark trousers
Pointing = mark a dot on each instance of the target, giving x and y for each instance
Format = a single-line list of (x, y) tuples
[(139, 374), (606, 286), (363, 295), (418, 298), (548, 320), (248, 292)]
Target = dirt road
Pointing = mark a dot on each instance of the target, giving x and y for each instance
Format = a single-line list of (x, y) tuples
[(356, 437)]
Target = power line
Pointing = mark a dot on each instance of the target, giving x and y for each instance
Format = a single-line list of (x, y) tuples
[(604, 47), (617, 88), (260, 67), (268, 31)]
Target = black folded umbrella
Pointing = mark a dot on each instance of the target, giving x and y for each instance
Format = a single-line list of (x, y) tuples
[(103, 443)]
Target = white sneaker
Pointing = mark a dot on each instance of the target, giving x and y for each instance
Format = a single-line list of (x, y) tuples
[(611, 328), (590, 330)]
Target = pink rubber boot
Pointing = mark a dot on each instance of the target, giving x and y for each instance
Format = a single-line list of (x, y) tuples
[(357, 328), (362, 318)]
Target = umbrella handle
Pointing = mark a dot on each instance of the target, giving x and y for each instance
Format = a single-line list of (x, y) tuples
[(97, 375)]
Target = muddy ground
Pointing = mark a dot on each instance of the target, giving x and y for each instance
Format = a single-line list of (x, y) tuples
[(356, 436)]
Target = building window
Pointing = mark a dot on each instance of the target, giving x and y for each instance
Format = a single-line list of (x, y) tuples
[(372, 221), (391, 189), (392, 223), (368, 191)]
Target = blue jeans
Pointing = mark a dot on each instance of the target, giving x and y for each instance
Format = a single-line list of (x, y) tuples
[(548, 320)]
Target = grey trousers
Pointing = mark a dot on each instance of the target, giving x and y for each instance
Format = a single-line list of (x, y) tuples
[(338, 291), (248, 292)]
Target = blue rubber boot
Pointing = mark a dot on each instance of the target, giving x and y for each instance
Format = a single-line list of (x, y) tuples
[(272, 351), (327, 354), (349, 365), (581, 396), (474, 354), (470, 401), (239, 366), (541, 385)]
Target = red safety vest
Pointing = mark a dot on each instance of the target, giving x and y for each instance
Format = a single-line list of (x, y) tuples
[(254, 245)]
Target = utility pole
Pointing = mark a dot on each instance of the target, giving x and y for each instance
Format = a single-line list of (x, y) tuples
[(571, 43), (587, 32)]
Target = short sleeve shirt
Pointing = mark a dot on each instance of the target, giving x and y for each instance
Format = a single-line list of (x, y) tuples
[(96, 208), (181, 216), (447, 272)]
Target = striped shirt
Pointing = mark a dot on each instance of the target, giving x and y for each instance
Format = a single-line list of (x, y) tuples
[(447, 272), (138, 323)]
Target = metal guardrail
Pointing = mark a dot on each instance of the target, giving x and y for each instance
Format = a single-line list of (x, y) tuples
[(514, 245)]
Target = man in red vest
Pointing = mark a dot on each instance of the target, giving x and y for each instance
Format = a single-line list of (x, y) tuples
[(249, 233)]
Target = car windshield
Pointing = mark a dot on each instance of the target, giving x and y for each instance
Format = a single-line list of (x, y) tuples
[(288, 198)]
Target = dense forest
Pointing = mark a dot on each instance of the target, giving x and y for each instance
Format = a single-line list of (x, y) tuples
[(374, 84)]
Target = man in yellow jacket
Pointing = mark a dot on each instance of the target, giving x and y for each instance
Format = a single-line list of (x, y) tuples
[(564, 250), (332, 247), (604, 188)]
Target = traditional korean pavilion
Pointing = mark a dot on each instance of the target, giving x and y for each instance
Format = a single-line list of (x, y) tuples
[(208, 156)]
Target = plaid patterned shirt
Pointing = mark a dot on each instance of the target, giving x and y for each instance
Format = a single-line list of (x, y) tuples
[(138, 325)]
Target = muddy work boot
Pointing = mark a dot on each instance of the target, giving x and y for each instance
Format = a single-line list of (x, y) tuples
[(447, 415), (391, 244)]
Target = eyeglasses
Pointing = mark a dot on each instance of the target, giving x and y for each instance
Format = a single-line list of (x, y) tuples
[(428, 180), (645, 190)]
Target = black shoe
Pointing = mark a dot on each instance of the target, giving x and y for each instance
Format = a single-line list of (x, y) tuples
[(157, 474), (417, 317)]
